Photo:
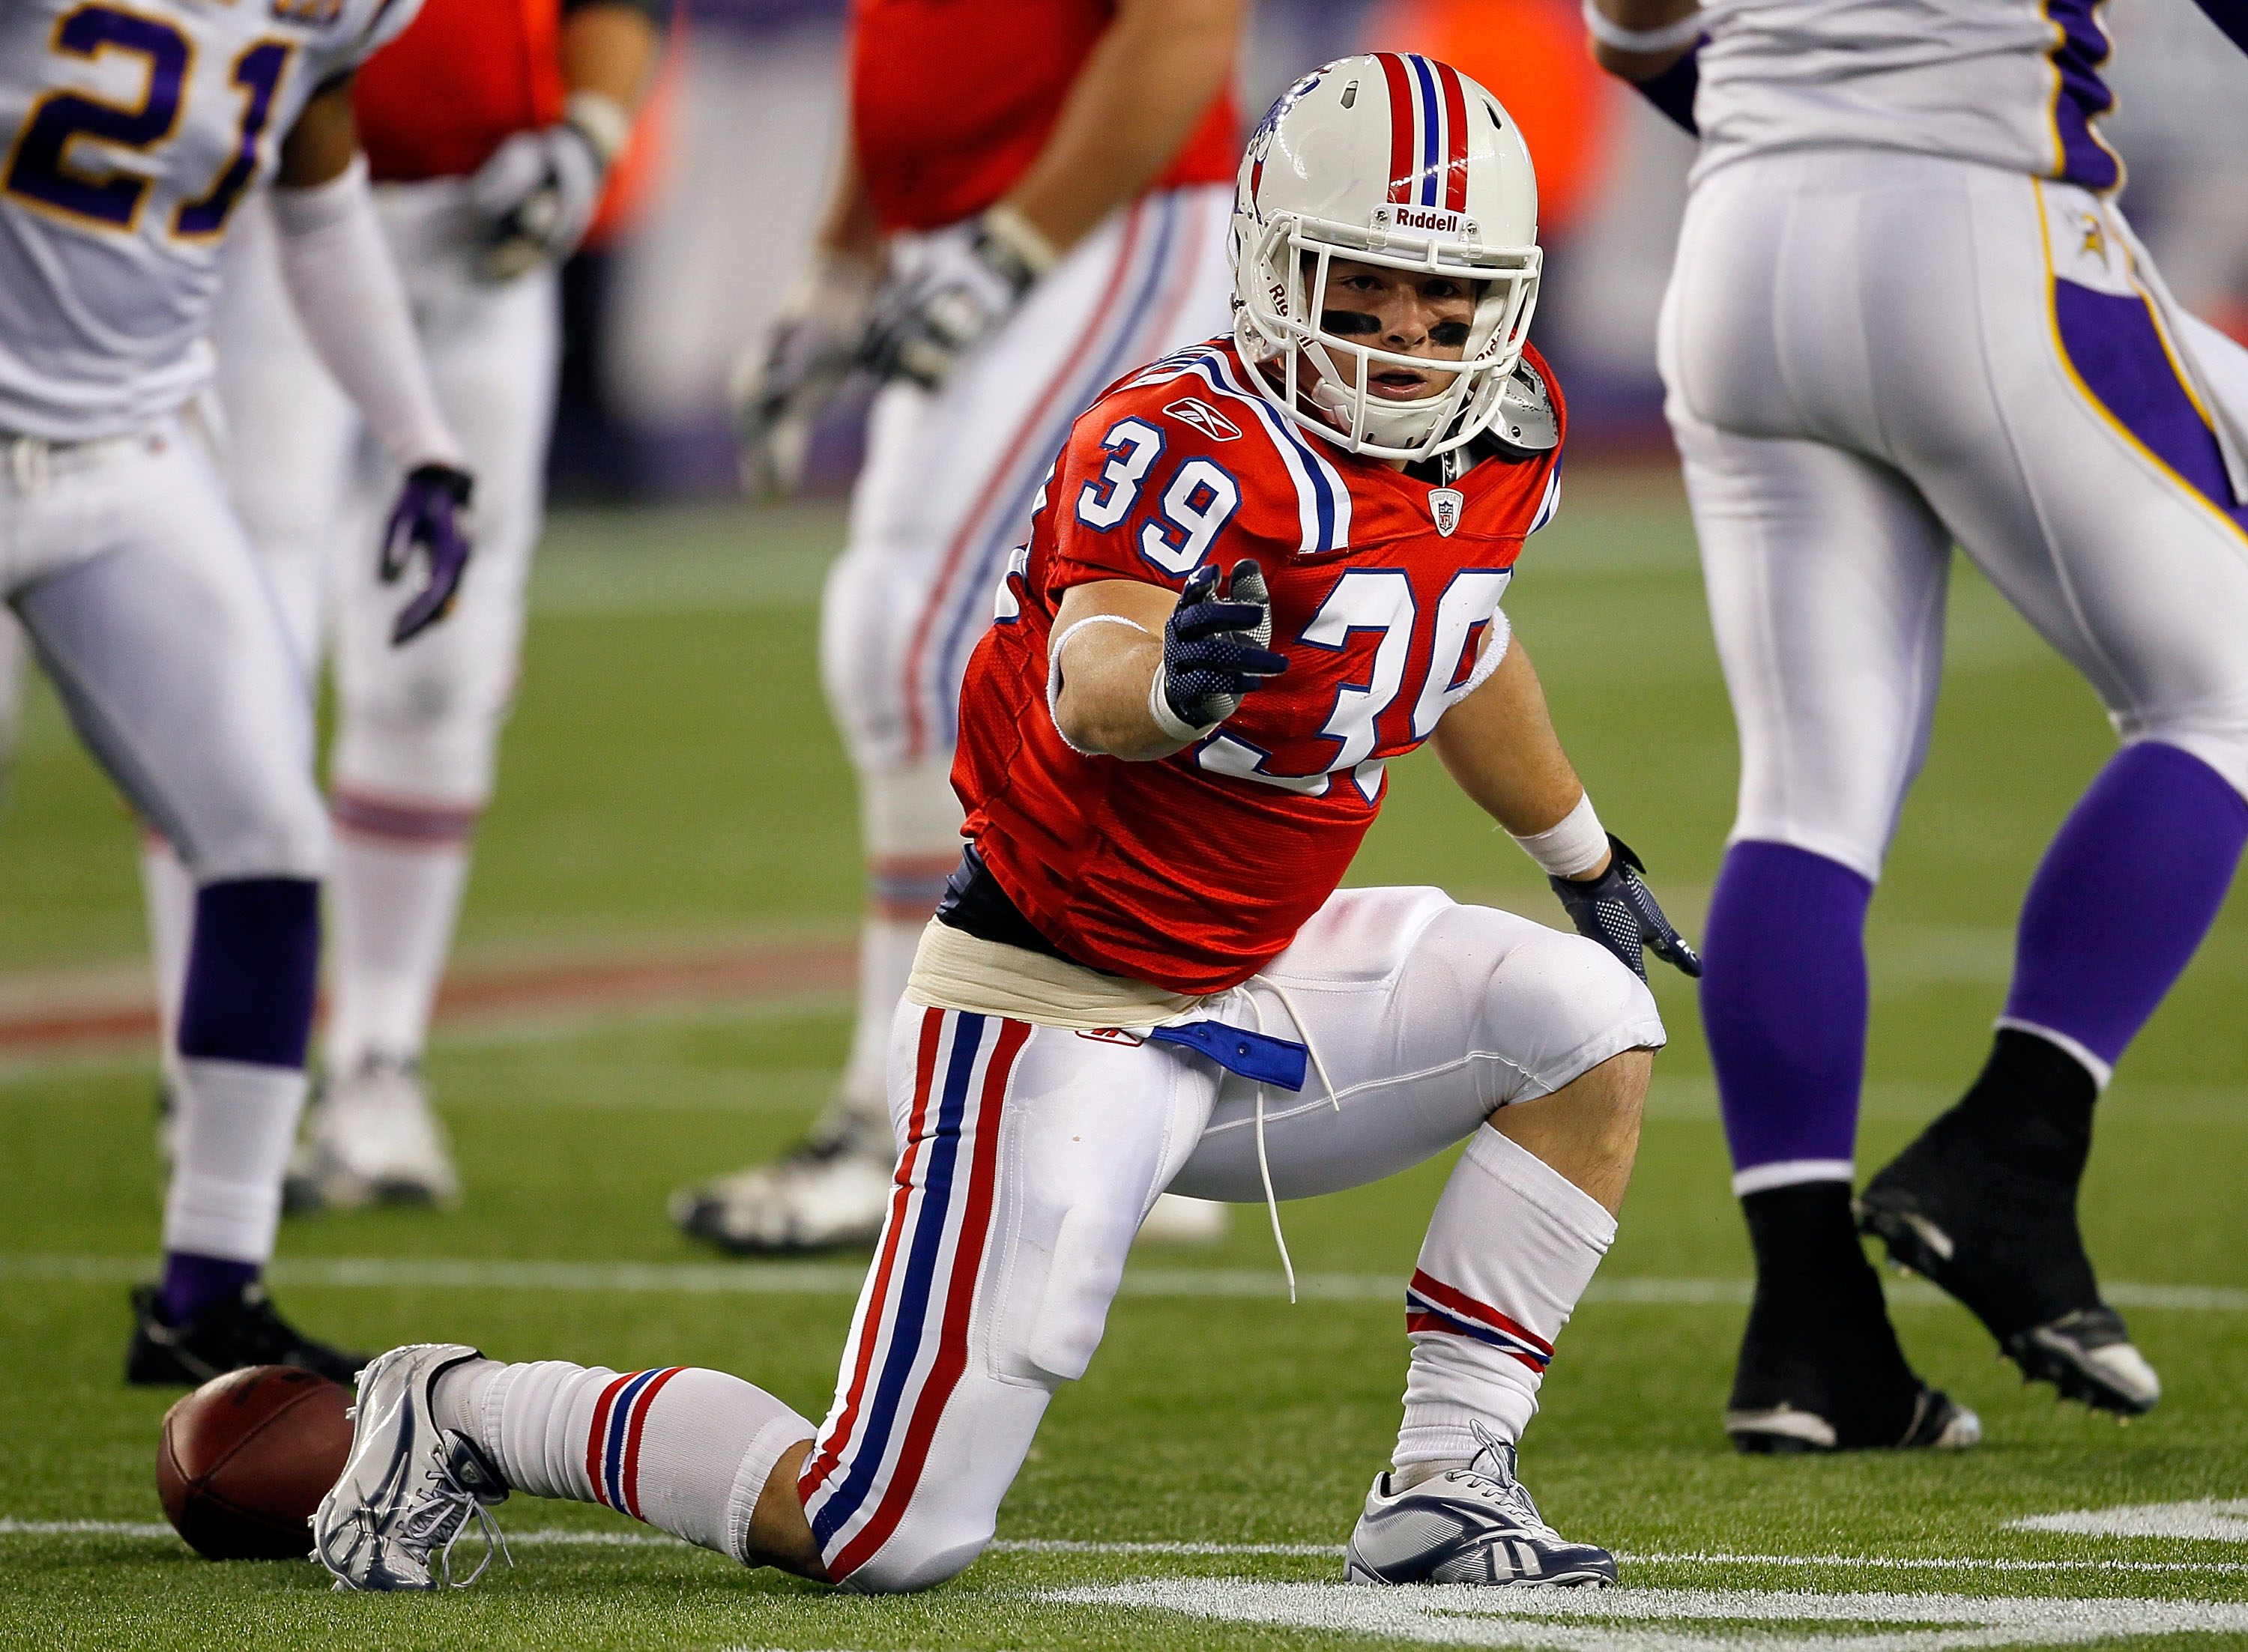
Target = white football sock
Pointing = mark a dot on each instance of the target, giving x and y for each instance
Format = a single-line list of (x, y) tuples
[(394, 909), (885, 955), (909, 823), (236, 1122), (1511, 1247), (685, 1449), (169, 895)]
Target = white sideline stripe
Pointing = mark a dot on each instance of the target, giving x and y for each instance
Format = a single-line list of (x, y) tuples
[(1630, 1620), (2205, 1519), (843, 1278), (573, 1536)]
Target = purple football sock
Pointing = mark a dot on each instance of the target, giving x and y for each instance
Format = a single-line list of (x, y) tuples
[(252, 971), (1784, 1003), (192, 1283), (251, 975), (2124, 895)]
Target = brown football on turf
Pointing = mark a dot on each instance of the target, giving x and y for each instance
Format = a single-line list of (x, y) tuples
[(247, 1458)]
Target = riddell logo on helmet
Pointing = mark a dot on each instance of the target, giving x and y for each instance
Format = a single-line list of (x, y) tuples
[(1421, 218)]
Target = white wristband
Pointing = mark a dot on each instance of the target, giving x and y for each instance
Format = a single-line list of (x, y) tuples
[(1159, 707), (1668, 38), (604, 123), (1572, 848)]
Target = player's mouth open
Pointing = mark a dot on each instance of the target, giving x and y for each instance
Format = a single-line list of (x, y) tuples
[(1400, 384)]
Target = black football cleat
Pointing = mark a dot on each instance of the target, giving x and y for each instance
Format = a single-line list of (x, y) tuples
[(1982, 1204), (227, 1336), (1819, 1367)]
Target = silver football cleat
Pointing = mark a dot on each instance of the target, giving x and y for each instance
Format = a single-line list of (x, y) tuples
[(409, 1489), (371, 1138), (824, 1196), (1475, 1525)]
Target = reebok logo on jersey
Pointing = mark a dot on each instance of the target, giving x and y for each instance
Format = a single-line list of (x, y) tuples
[(1444, 509), (1205, 418), (1114, 1035)]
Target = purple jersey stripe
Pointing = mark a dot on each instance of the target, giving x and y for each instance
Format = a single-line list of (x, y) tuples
[(2113, 343), (2082, 97)]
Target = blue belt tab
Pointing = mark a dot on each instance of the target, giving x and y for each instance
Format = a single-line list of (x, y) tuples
[(1280, 1062)]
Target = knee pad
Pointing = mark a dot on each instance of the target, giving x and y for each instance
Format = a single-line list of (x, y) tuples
[(443, 760), (279, 830), (1580, 1004)]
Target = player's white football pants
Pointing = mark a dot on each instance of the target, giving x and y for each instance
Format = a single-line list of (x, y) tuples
[(1032, 1153), (419, 724), (1869, 355), (155, 621), (948, 479)]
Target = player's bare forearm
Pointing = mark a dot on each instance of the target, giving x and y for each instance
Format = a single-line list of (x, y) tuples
[(1639, 16), (1138, 96), (847, 228), (609, 49), (1108, 670), (323, 141), (1499, 744)]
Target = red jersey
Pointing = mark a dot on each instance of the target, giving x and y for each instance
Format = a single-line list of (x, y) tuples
[(952, 100), (437, 100), (1192, 872)]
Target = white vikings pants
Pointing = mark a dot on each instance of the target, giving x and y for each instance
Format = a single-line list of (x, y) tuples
[(419, 724), (1030, 1155), (1869, 354), (948, 480), (127, 566)]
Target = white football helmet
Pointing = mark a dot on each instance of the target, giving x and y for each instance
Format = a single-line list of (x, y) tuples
[(1397, 159)]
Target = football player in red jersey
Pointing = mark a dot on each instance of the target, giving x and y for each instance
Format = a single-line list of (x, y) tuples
[(489, 126), (1143, 975), (1033, 202)]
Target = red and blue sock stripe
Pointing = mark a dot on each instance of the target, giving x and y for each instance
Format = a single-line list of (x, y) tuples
[(1431, 1305), (612, 1443)]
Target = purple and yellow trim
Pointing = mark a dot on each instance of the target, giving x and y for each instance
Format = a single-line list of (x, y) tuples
[(2081, 98), (2117, 352)]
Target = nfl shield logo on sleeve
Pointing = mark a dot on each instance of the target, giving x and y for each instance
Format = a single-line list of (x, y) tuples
[(1444, 506)]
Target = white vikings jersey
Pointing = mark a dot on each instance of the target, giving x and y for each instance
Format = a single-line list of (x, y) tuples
[(2010, 83), (133, 134)]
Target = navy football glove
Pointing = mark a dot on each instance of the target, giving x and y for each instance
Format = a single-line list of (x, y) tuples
[(1215, 651), (1618, 910), (427, 517)]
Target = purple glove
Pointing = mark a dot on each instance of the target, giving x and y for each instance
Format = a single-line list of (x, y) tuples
[(427, 515)]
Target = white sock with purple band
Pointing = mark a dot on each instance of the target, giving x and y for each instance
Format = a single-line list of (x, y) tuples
[(685, 1449), (1513, 1246)]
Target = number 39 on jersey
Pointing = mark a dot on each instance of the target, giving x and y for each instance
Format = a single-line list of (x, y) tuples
[(1387, 618)]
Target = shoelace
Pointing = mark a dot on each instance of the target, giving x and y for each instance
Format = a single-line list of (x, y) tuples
[(1507, 1490), (443, 1513), (1263, 1164)]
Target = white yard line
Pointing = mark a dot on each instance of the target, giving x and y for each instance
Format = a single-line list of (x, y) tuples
[(582, 1537), (843, 1278), (1635, 1620), (2205, 1519)]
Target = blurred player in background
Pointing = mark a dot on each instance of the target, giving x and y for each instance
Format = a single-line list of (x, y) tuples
[(490, 130), (1025, 208), (136, 139), (1142, 970), (1906, 311)]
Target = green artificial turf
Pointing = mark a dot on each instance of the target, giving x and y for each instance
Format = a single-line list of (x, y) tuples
[(670, 782)]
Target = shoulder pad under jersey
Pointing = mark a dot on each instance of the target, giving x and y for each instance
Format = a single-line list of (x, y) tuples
[(1526, 422)]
